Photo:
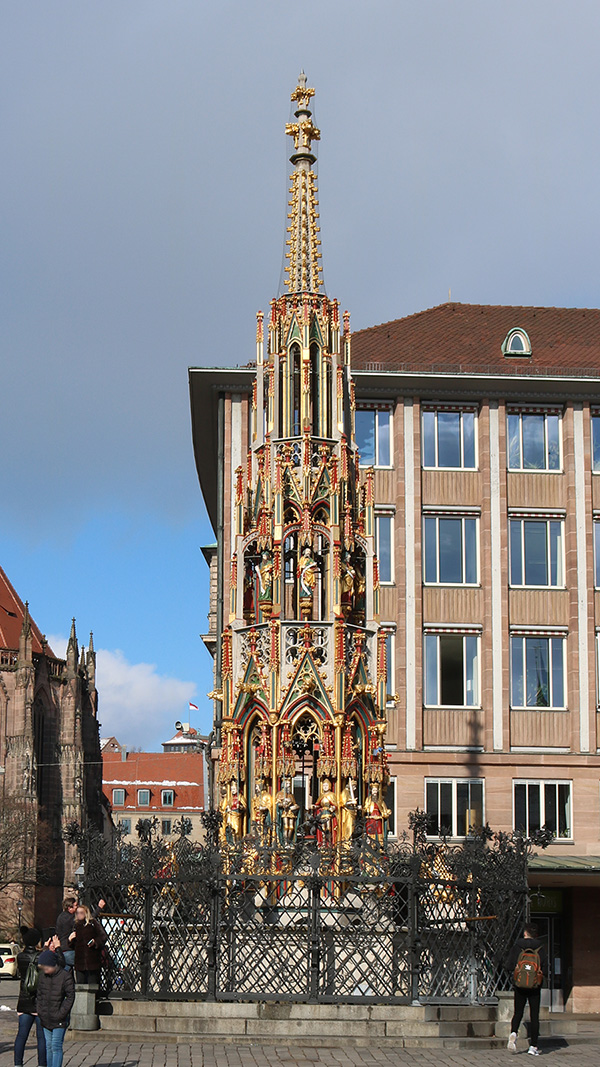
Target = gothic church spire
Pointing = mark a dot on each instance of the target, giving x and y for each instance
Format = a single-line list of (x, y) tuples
[(303, 269)]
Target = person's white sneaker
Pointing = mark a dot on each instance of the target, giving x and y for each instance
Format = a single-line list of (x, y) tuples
[(512, 1043), (533, 1050)]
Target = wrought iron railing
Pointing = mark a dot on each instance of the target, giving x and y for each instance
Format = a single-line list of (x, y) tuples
[(414, 922)]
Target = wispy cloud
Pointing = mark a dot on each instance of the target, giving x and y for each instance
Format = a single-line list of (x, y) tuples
[(136, 703)]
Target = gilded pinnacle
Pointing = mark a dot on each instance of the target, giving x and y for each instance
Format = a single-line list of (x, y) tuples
[(303, 269)]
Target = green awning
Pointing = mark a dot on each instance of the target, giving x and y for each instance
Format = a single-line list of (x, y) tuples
[(575, 864)]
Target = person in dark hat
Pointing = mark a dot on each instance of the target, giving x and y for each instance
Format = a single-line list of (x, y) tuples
[(26, 1004), (55, 997)]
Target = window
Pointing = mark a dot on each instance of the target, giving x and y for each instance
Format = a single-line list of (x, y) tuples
[(454, 806), (125, 826), (449, 439), (384, 525), (390, 688), (118, 798), (165, 827), (450, 550), (537, 672), (390, 799), (452, 670), (167, 798), (536, 552), (516, 343), (373, 437), (533, 441), (597, 553), (538, 804), (144, 798), (596, 441)]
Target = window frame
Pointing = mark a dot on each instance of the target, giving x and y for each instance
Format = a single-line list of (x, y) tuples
[(542, 803), (594, 431), (462, 516), (377, 409), (561, 565), (118, 803), (390, 681), (454, 782), (164, 832), (141, 803), (389, 514), (438, 634), (536, 636), (544, 413), (460, 409), (165, 803), (124, 825)]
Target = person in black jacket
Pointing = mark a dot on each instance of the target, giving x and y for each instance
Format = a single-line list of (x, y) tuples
[(87, 939), (64, 926), (530, 942), (26, 1004), (55, 996)]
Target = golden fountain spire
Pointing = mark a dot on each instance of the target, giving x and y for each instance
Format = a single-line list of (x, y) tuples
[(303, 270)]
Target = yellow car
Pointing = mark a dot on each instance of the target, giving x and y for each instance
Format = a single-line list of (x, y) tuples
[(8, 960)]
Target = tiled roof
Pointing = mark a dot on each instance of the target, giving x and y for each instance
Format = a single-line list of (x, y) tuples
[(12, 612), (468, 337), (181, 771)]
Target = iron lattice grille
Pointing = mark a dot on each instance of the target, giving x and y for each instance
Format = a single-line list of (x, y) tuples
[(412, 922)]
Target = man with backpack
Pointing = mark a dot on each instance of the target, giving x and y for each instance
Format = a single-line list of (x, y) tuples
[(528, 963), (27, 965)]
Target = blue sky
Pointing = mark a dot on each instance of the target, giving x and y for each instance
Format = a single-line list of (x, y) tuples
[(144, 188)]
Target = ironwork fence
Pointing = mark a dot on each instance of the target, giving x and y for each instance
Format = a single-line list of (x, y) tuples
[(413, 922)]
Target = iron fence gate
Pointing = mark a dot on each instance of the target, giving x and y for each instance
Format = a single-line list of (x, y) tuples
[(413, 922)]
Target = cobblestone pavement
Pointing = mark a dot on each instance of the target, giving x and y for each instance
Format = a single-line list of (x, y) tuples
[(102, 1054)]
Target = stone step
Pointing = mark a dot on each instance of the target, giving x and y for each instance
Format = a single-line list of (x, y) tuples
[(296, 1041), (224, 1009)]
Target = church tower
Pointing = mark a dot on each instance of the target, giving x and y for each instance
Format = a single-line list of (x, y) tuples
[(303, 665)]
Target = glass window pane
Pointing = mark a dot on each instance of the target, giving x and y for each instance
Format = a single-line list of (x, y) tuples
[(520, 809), (383, 439), (556, 554), (516, 672), (389, 683), (433, 809), (468, 424), (365, 436), (390, 799), (450, 535), (514, 442), (448, 438), (552, 433), (536, 652), (516, 563), (596, 443), (472, 670), (534, 447), (429, 438), (536, 547), (446, 808), (451, 671), (533, 799), (476, 804), (550, 806), (564, 811), (384, 547), (462, 809), (470, 533), (430, 532), (597, 554), (431, 669), (558, 684)]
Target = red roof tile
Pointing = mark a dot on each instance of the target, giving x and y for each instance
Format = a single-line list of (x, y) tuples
[(468, 337), (182, 771), (12, 612)]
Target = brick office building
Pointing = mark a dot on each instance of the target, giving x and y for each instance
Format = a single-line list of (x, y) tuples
[(481, 426)]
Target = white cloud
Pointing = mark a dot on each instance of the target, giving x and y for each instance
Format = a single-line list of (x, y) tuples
[(136, 704)]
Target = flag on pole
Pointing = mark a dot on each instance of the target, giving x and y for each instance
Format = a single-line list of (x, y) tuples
[(193, 707)]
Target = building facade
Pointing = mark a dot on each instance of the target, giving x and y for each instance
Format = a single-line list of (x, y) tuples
[(166, 786), (50, 756), (478, 432)]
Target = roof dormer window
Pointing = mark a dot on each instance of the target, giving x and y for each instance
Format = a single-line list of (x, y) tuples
[(516, 343)]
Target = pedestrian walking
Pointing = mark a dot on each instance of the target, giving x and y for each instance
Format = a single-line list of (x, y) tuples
[(88, 940), (64, 927), (55, 997), (27, 967), (528, 963)]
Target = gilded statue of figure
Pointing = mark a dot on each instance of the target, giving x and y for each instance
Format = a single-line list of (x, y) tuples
[(376, 812), (287, 813), (348, 809), (327, 808), (261, 809), (264, 573), (307, 571), (347, 581), (232, 806)]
